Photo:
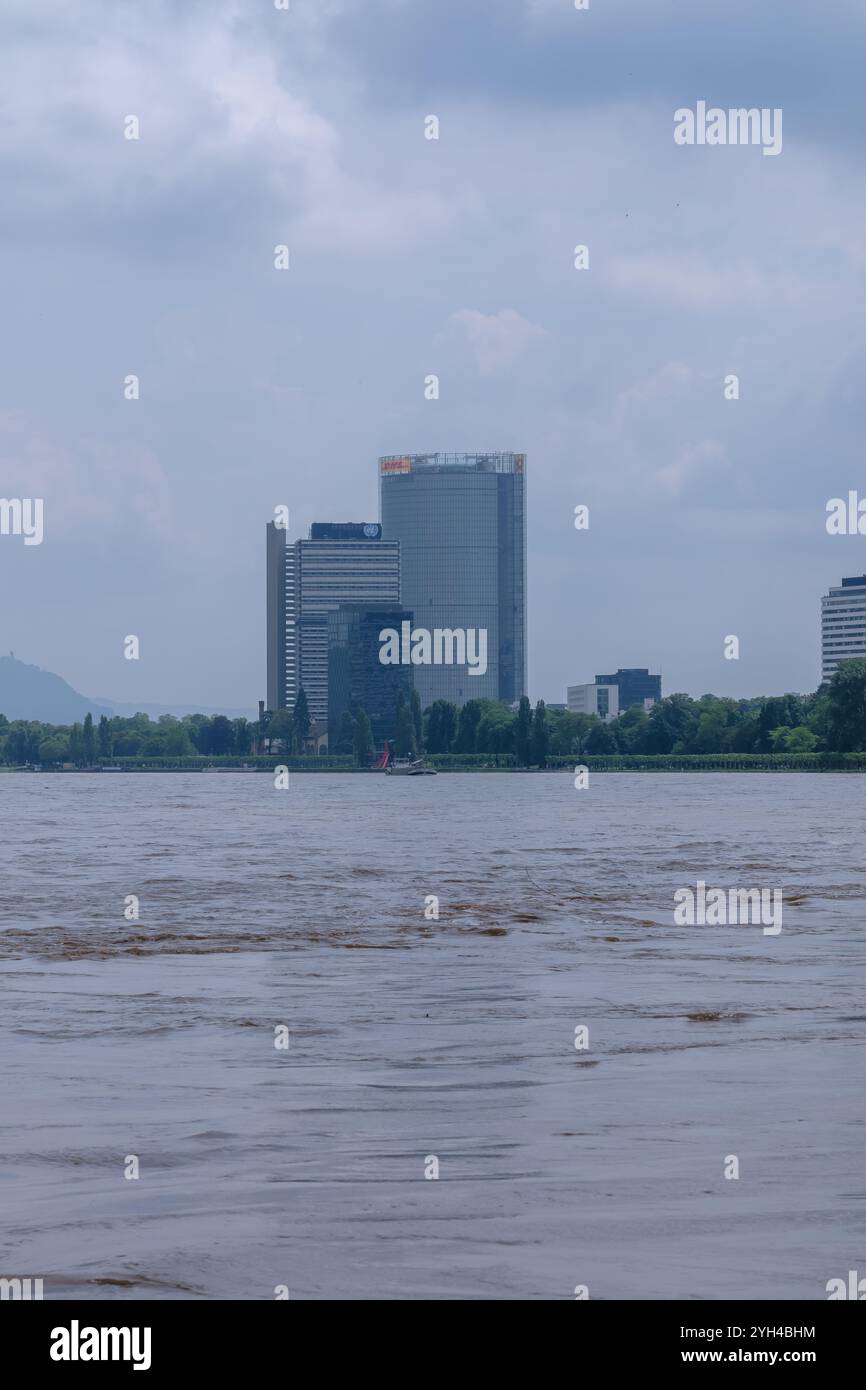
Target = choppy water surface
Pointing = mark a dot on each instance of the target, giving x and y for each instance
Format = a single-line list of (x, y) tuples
[(412, 1037)]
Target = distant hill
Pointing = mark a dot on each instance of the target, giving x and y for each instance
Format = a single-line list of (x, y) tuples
[(28, 692)]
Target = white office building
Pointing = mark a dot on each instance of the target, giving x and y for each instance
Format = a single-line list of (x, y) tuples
[(601, 700), (843, 624)]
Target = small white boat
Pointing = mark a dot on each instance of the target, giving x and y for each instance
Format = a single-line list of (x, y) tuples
[(409, 767)]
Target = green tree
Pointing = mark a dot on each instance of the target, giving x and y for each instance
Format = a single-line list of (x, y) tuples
[(201, 728), (198, 728), (774, 713), (153, 743), (846, 731), (523, 731), (563, 732), (672, 722), (221, 735), (433, 728), (104, 737), (745, 735), (801, 739), (281, 729), (816, 711), (76, 745), (242, 736), (301, 717), (54, 748), (714, 727), (601, 740), (540, 738), (417, 718), (632, 729), (176, 741), (441, 718), (19, 743), (127, 744), (88, 740), (467, 725), (449, 724), (404, 741), (345, 734), (495, 733), (363, 742), (570, 731)]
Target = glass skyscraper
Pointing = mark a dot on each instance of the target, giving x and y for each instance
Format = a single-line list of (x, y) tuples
[(460, 520), (357, 679)]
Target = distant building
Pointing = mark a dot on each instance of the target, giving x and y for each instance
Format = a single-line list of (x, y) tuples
[(601, 700), (277, 555), (843, 624), (340, 562), (460, 520), (635, 686), (357, 679)]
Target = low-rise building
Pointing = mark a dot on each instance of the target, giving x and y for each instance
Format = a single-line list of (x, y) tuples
[(600, 700)]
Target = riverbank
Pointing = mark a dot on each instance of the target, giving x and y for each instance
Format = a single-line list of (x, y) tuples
[(475, 762)]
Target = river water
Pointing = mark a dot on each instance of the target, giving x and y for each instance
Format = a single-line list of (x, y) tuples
[(412, 1039)]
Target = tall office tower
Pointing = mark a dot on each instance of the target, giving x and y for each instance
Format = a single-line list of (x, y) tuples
[(340, 562), (357, 678), (635, 685), (277, 555), (843, 624), (461, 523)]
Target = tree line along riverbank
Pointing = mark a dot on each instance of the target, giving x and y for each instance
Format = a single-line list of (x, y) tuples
[(824, 731)]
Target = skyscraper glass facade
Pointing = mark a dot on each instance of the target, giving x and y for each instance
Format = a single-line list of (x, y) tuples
[(635, 685), (357, 679), (460, 520)]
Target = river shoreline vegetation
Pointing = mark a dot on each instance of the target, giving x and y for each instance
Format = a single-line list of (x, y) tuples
[(824, 731)]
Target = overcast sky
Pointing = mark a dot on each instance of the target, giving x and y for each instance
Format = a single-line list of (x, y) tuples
[(411, 256)]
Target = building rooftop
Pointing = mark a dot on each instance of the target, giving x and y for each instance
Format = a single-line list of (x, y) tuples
[(438, 463), (345, 531)]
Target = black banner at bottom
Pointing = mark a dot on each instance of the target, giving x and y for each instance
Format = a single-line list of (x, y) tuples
[(160, 1338)]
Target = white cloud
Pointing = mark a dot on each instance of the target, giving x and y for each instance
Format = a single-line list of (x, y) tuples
[(496, 340), (691, 463)]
